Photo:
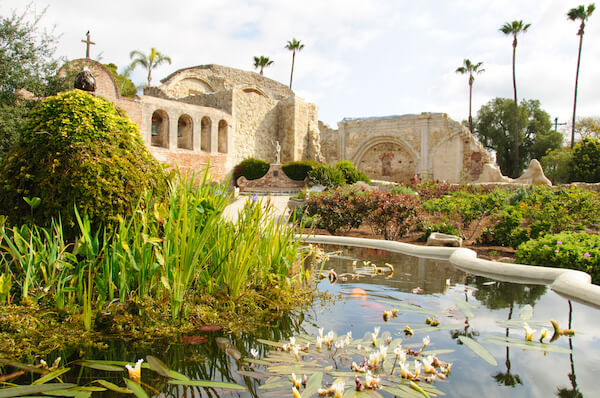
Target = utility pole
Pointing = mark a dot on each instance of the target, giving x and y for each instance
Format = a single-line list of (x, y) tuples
[(556, 124)]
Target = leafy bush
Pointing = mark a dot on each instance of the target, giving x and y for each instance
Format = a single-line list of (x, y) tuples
[(251, 168), (298, 170), (326, 175), (443, 227), (351, 173), (339, 209), (391, 215), (403, 190), (557, 165), (579, 250), (507, 230), (77, 149), (431, 189), (585, 165)]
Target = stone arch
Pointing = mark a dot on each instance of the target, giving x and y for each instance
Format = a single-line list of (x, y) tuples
[(205, 130), (196, 85), (387, 158), (222, 140), (254, 89), (100, 72), (185, 132), (160, 129)]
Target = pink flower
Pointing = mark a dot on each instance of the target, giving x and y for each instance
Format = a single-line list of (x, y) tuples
[(586, 255), (559, 242), (556, 251)]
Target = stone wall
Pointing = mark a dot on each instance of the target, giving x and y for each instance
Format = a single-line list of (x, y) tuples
[(329, 143), (296, 118)]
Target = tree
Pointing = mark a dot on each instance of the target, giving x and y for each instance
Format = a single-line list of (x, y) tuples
[(469, 68), (585, 165), (149, 62), (582, 14), (27, 70), (536, 138), (293, 45), (514, 28), (126, 86), (588, 127), (557, 165), (262, 62)]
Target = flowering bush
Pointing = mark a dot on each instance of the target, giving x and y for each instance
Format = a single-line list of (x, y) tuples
[(576, 250), (339, 209), (391, 215)]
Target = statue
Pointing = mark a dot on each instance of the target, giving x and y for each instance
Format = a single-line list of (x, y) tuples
[(277, 153), (85, 80), (314, 142)]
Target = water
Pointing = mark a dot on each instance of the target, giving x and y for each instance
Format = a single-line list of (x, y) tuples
[(518, 373)]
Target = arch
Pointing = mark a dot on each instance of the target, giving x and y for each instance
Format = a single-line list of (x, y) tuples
[(185, 132), (195, 85), (160, 129), (386, 158), (368, 143), (222, 141), (254, 89), (205, 129)]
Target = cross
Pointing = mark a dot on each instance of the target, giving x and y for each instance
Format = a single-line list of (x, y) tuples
[(87, 42), (556, 124)]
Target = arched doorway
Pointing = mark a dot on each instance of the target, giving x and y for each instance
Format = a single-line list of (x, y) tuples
[(222, 136), (205, 127), (160, 129), (185, 132)]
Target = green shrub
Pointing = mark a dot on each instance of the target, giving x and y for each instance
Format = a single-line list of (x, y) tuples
[(251, 168), (298, 170), (351, 173), (443, 227), (403, 190), (339, 209), (330, 177), (77, 149), (557, 165), (392, 216), (507, 230), (585, 165), (575, 250)]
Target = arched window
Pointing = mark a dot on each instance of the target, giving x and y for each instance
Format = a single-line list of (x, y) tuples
[(185, 132), (205, 134), (160, 129), (222, 136)]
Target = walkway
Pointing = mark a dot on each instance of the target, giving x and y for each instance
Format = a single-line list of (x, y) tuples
[(278, 204)]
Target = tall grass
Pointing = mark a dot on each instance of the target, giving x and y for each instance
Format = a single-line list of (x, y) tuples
[(169, 249)]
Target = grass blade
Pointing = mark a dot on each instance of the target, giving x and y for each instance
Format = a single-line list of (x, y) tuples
[(478, 349)]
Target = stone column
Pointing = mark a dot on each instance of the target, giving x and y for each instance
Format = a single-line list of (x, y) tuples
[(214, 135), (196, 132), (172, 131)]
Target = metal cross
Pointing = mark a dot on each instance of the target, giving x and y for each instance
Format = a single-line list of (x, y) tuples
[(87, 42), (556, 124)]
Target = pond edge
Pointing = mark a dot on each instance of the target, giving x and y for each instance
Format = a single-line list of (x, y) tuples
[(572, 284)]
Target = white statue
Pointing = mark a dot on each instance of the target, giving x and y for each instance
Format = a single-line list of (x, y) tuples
[(277, 153)]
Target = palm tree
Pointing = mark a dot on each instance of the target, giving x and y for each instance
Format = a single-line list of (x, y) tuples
[(293, 45), (149, 61), (514, 28), (470, 69), (575, 14), (262, 62)]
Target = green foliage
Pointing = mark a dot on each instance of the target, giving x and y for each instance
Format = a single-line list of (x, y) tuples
[(351, 173), (494, 124), (557, 165), (575, 250), (443, 227), (26, 62), (585, 165), (390, 215), (339, 209), (77, 149), (328, 176), (124, 83), (298, 170), (251, 168), (403, 190)]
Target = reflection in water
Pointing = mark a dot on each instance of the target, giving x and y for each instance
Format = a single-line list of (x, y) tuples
[(507, 378), (573, 392)]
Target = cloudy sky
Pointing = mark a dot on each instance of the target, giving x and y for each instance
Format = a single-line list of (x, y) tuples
[(361, 57)]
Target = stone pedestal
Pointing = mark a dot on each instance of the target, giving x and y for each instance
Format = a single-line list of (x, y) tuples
[(275, 181)]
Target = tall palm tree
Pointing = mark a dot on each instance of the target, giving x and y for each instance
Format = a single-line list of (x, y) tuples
[(149, 61), (470, 68), (262, 62), (293, 45), (574, 14), (514, 28)]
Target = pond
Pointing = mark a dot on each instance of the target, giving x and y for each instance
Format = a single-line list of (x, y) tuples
[(469, 309)]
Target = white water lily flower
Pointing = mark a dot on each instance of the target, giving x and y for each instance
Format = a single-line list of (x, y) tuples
[(294, 350), (405, 372), (417, 368), (398, 349), (330, 336), (297, 382), (296, 393), (338, 388), (319, 342), (543, 335), (426, 341), (321, 332), (292, 341), (383, 351), (427, 361), (371, 381), (349, 335), (377, 329), (254, 353), (135, 372), (528, 332)]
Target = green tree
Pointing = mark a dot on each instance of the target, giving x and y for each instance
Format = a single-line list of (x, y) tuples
[(148, 62), (582, 14), (262, 62), (588, 127), (470, 68), (293, 45), (536, 137), (126, 86), (585, 165), (514, 28), (557, 165), (27, 70)]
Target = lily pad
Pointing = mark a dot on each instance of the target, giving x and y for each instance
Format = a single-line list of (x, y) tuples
[(138, 391), (20, 391), (312, 385), (478, 349), (208, 383)]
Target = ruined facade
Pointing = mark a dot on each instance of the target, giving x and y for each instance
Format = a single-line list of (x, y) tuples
[(219, 115)]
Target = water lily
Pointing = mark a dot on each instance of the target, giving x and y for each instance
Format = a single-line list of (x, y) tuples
[(254, 353), (358, 368), (319, 342), (294, 350), (405, 372), (387, 315), (135, 372), (426, 341), (296, 393), (427, 361), (296, 381), (417, 368), (338, 388), (543, 335), (371, 382), (408, 331), (383, 352), (321, 330), (528, 332)]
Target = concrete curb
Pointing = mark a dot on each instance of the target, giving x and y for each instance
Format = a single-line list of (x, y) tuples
[(572, 284)]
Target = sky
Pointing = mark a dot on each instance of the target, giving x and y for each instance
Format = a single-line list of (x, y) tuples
[(361, 57)]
